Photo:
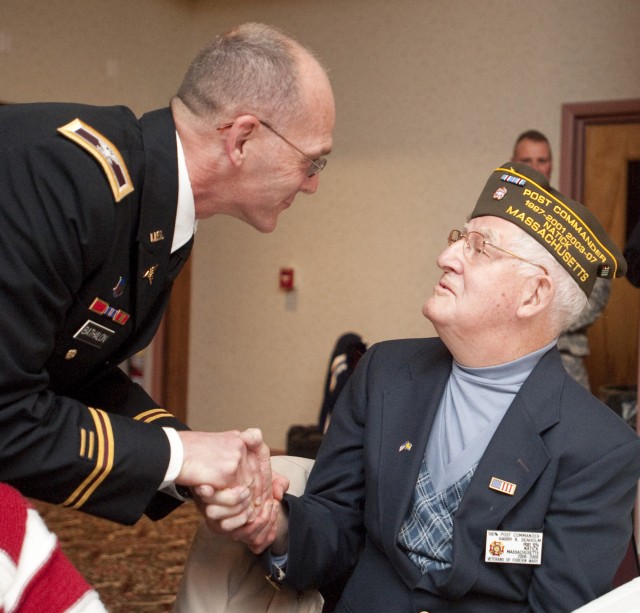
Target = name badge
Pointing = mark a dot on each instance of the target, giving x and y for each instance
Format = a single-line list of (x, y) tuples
[(94, 334), (504, 547)]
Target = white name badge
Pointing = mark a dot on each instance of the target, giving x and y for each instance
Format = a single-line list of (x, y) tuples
[(505, 547)]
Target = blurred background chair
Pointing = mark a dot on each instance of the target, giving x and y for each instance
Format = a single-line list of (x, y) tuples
[(304, 440)]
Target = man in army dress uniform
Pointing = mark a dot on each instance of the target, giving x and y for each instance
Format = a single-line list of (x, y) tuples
[(98, 211)]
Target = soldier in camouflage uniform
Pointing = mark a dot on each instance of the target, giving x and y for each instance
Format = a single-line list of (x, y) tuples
[(574, 344)]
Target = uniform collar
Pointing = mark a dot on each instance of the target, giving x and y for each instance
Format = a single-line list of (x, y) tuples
[(186, 223)]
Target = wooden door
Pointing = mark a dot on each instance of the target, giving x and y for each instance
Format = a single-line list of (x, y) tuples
[(593, 171), (577, 121), (613, 338)]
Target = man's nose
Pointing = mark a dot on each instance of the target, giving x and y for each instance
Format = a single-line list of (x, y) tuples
[(310, 184)]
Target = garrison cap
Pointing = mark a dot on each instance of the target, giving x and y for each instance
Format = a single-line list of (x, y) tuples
[(565, 228)]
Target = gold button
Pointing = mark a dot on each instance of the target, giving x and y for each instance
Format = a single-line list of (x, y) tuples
[(72, 353)]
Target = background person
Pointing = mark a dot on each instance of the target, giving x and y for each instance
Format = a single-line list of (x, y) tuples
[(98, 213)]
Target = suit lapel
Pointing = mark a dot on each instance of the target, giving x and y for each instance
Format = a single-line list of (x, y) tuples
[(516, 454), (407, 417)]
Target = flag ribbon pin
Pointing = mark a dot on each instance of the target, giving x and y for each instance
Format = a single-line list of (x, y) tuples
[(504, 487)]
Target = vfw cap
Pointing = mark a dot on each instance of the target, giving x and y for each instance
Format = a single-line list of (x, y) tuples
[(567, 229)]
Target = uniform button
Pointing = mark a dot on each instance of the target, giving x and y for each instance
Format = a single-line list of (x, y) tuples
[(72, 353)]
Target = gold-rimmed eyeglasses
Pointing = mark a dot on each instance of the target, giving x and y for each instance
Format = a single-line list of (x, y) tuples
[(316, 164), (475, 243)]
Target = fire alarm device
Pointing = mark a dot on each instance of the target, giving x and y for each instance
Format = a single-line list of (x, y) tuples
[(286, 279)]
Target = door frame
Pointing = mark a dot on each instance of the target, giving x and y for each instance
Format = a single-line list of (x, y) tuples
[(170, 349), (575, 119)]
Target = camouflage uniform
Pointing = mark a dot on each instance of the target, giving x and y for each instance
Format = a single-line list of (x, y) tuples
[(574, 344)]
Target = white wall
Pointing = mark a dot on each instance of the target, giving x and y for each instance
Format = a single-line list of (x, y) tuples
[(430, 95)]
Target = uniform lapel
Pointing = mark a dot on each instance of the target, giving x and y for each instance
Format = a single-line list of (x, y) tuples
[(158, 208)]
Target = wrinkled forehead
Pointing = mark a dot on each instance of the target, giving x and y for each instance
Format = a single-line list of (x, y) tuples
[(494, 229)]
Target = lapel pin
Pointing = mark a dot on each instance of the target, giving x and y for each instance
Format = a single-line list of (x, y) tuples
[(118, 289), (505, 487), (150, 273), (156, 236), (406, 445)]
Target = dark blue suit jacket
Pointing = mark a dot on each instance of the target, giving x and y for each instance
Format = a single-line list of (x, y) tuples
[(574, 461)]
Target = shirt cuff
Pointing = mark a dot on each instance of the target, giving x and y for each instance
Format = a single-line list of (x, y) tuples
[(278, 567), (176, 458)]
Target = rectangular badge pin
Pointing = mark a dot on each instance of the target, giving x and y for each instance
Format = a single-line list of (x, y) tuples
[(94, 334), (507, 547), (502, 486)]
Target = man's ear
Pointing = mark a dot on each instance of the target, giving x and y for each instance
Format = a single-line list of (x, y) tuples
[(238, 134), (537, 294)]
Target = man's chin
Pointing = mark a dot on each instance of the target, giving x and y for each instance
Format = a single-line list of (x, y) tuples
[(433, 307)]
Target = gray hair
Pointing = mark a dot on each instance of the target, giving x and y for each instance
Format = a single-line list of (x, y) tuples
[(570, 302), (252, 68)]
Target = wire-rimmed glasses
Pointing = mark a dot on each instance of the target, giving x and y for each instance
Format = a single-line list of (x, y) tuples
[(475, 243), (316, 164)]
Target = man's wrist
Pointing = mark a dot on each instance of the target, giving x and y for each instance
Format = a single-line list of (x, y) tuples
[(176, 458)]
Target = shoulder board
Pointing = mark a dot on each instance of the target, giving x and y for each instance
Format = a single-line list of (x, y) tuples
[(104, 151)]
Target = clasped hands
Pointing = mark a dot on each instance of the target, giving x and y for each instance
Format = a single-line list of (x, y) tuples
[(234, 488)]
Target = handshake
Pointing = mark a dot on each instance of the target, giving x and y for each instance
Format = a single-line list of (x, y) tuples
[(234, 487)]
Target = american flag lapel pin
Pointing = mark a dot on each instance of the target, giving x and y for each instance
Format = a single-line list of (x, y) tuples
[(505, 487)]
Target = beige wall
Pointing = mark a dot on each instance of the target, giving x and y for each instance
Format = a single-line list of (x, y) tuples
[(430, 94)]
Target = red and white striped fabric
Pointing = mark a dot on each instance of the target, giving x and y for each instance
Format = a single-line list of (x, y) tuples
[(35, 576)]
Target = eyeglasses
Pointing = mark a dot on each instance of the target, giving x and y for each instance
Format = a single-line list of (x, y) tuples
[(317, 164), (475, 243)]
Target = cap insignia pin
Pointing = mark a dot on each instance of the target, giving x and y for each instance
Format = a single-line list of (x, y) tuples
[(500, 193), (511, 179)]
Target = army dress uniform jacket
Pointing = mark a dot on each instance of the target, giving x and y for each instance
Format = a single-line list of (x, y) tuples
[(574, 463), (88, 199)]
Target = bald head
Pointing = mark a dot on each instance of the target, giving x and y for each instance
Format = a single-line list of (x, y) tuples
[(253, 68)]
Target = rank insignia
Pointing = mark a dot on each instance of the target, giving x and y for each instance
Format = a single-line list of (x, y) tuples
[(502, 486), (118, 288), (102, 308), (156, 236), (106, 154), (150, 274), (406, 445)]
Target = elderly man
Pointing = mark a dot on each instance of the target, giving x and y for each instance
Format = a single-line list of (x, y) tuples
[(469, 472), (98, 215)]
